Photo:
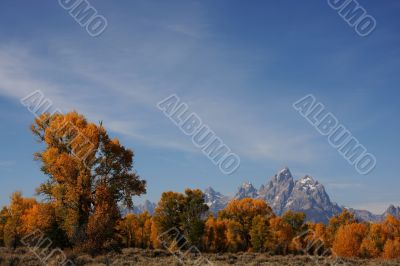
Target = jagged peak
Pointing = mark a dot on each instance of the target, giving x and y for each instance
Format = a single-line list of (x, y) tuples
[(247, 185), (284, 170), (392, 210), (308, 179), (209, 190), (310, 183), (391, 207), (284, 175)]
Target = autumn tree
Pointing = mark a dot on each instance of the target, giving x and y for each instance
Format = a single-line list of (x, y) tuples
[(88, 175), (126, 230), (391, 232), (101, 224), (348, 239), (13, 228), (143, 230), (281, 235), (295, 220), (135, 230), (184, 212), (234, 236), (259, 233), (391, 227), (392, 249), (337, 221), (215, 235), (4, 214), (243, 212), (373, 244), (154, 241), (41, 216), (315, 240)]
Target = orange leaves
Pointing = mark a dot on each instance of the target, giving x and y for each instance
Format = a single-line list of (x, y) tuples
[(247, 206), (392, 249), (391, 227), (72, 135), (40, 216), (234, 235), (138, 230), (348, 240), (244, 210), (89, 174), (14, 226), (281, 235), (215, 238), (240, 215), (372, 245)]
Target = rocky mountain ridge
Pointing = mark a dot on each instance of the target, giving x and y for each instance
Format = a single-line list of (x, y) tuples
[(284, 193)]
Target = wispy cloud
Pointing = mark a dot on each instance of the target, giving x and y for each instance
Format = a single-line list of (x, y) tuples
[(96, 92)]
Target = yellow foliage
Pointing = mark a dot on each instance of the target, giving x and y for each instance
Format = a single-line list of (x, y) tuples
[(348, 240), (392, 249)]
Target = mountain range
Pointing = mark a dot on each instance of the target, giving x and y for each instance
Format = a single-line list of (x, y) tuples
[(284, 193)]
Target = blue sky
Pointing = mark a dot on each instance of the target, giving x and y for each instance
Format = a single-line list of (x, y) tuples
[(238, 65)]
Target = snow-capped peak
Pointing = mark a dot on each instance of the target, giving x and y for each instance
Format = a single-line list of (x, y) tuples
[(308, 183), (246, 190), (247, 185), (306, 179), (284, 175), (209, 190), (215, 200)]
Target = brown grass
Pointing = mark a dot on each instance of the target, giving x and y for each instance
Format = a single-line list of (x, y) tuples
[(23, 256)]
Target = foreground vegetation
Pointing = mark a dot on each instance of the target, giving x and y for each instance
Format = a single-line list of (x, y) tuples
[(90, 176), (139, 257)]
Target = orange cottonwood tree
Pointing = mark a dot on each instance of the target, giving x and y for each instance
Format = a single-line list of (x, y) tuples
[(314, 240), (154, 233), (243, 212), (88, 175), (234, 234), (348, 240), (126, 230), (391, 227), (392, 249), (281, 235), (214, 239), (135, 230), (373, 243), (337, 221), (14, 228), (42, 216), (391, 231)]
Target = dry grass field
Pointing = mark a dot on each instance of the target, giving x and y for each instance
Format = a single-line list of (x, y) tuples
[(23, 256)]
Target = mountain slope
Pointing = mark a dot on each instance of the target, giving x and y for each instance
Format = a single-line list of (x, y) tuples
[(283, 193), (215, 200), (247, 190), (277, 191)]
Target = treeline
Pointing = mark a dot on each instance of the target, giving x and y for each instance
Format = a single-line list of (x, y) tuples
[(89, 175), (244, 225)]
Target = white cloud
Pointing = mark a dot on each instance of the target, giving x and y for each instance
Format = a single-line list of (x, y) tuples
[(127, 106)]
